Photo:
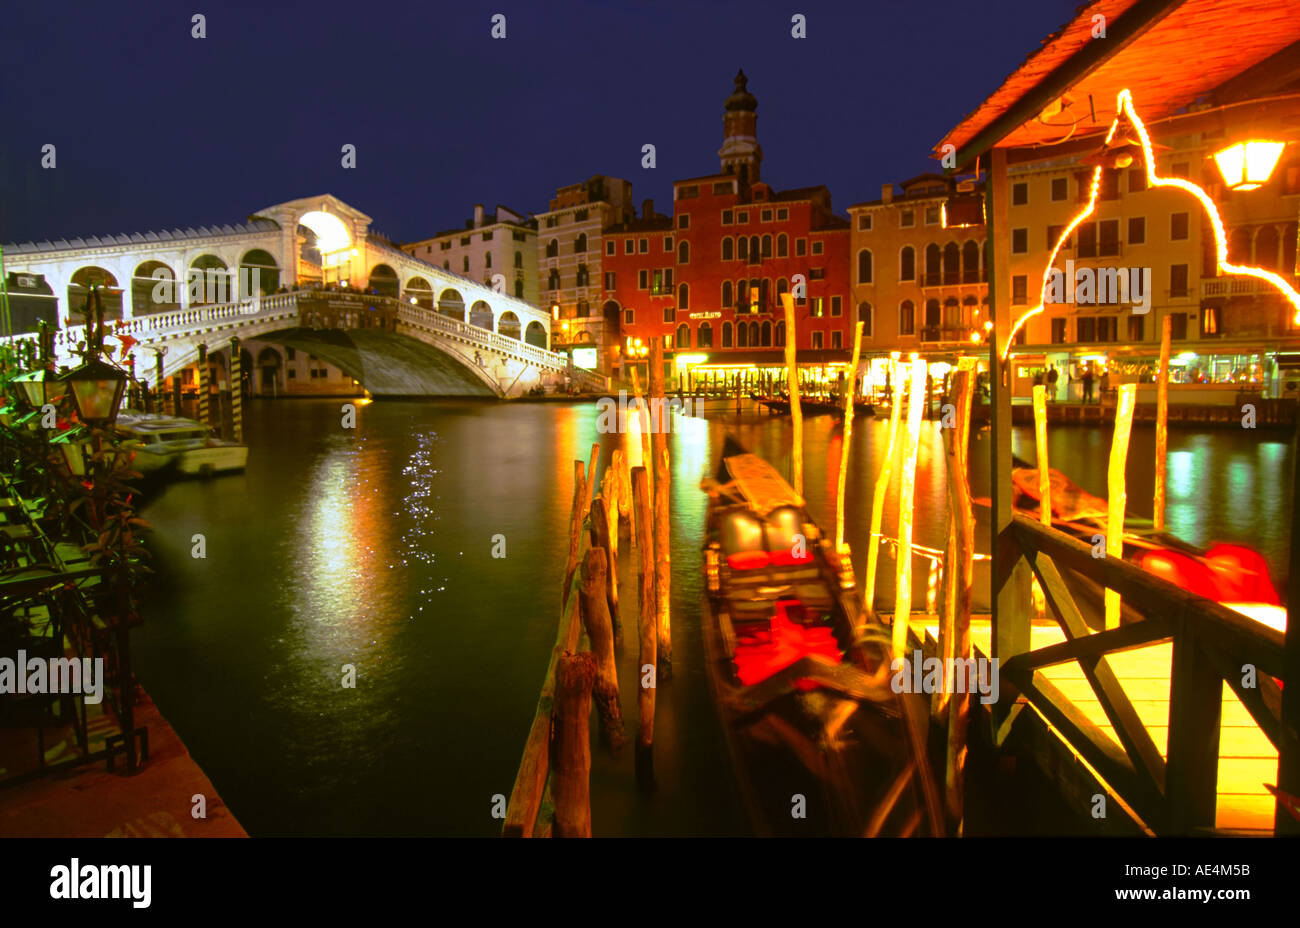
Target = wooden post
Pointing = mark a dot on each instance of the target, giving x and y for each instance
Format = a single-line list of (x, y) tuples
[(203, 386), (1288, 749), (591, 479), (844, 444), (1040, 444), (622, 512), (1117, 491), (603, 538), (1162, 424), (661, 491), (648, 630), (575, 530), (906, 495), (796, 409), (600, 630), (644, 457), (575, 675), (176, 395), (882, 488), (962, 568), (236, 391)]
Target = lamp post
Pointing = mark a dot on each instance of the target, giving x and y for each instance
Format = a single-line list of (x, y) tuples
[(1247, 165)]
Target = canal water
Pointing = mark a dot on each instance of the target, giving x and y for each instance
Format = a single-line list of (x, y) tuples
[(373, 547)]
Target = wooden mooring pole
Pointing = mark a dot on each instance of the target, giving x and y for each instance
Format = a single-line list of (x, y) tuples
[(1117, 491), (846, 442), (882, 487), (962, 567), (575, 529), (648, 632), (236, 391), (575, 675), (1162, 424), (600, 630), (604, 535), (662, 506), (203, 386), (906, 497), (796, 408)]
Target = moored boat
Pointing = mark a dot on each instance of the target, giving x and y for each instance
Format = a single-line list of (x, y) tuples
[(800, 676), (166, 444)]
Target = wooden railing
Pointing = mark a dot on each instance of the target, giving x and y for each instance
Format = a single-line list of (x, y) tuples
[(1176, 793)]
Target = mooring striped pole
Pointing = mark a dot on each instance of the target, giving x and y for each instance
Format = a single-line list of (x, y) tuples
[(236, 390), (160, 384), (203, 385)]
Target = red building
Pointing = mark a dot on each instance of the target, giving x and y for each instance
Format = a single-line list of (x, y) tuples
[(708, 280)]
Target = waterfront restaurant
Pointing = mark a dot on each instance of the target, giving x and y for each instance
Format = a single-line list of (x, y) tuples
[(1161, 136)]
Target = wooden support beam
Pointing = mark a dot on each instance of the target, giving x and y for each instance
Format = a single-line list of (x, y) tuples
[(1288, 768), (1195, 716)]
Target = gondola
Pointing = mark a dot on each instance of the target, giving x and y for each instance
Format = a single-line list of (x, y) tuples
[(820, 742), (810, 406)]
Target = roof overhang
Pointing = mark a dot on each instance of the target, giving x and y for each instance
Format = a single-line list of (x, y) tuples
[(1168, 53)]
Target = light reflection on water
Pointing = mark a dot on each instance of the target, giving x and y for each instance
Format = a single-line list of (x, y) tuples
[(373, 547)]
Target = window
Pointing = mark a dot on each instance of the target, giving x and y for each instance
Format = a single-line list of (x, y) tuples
[(1054, 235), (684, 296), (932, 215), (684, 221), (782, 246), (1179, 327), (1019, 241), (817, 339), (837, 339), (684, 253), (629, 316), (726, 335), (1108, 189), (864, 222), (643, 279), (290, 354), (722, 188), (743, 247), (742, 217), (728, 250), (907, 263), (1109, 235), (670, 314), (765, 215), (1060, 188), (704, 337), (464, 239), (519, 259), (727, 217), (553, 280), (836, 308), (1085, 329), (1181, 169), (610, 248), (1178, 227), (817, 247), (552, 222), (726, 293), (906, 219), (465, 264), (864, 266), (1058, 331), (800, 247), (668, 244), (553, 248), (580, 215), (519, 289), (1019, 194), (487, 260), (610, 280), (1137, 230), (628, 246), (1210, 320), (688, 193), (293, 374), (817, 309), (1019, 290), (580, 244), (584, 278), (1178, 280), (643, 246), (767, 246), (907, 318), (683, 336), (1087, 240), (1136, 328), (864, 316), (1107, 327), (445, 246)]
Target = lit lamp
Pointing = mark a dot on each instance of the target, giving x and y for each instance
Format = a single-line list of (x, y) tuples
[(96, 390), (74, 454), (39, 388), (1246, 165)]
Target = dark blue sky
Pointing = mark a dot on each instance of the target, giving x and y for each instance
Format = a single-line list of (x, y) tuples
[(155, 129)]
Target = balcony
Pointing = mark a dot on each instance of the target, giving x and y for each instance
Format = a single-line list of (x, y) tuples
[(933, 334), (931, 279)]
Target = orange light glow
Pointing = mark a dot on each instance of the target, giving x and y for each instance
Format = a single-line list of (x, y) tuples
[(1124, 106)]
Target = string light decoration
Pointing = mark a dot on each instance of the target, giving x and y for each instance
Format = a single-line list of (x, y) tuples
[(1124, 107)]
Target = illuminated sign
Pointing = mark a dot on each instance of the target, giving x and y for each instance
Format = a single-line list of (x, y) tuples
[(706, 315), (585, 358)]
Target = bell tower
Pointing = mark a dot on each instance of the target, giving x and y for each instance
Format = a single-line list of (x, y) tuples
[(740, 153)]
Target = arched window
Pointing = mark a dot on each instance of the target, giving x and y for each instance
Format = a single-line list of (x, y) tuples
[(584, 278), (742, 246), (865, 317), (726, 335), (683, 336), (1266, 247), (742, 335), (782, 286), (907, 317), (933, 257), (553, 280), (907, 263), (726, 293), (754, 257), (753, 335), (580, 244), (932, 320), (782, 246), (519, 290), (742, 296), (764, 293), (684, 253), (704, 337), (767, 246), (465, 264), (951, 263), (683, 296), (970, 262), (779, 337), (728, 249), (553, 248), (487, 260), (1239, 246), (519, 259), (767, 335), (864, 266)]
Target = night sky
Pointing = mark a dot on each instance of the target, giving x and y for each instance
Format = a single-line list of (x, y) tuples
[(156, 129)]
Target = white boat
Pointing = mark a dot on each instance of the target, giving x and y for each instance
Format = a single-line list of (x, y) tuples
[(166, 442)]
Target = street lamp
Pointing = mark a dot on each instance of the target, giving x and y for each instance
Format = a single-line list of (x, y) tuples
[(1247, 165), (96, 390)]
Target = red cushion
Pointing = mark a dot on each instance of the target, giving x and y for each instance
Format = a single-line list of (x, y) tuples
[(788, 558), (748, 560)]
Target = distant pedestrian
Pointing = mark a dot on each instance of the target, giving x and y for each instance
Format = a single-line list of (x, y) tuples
[(1087, 384), (1051, 383), (1105, 385)]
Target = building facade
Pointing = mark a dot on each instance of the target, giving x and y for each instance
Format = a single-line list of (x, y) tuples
[(503, 243)]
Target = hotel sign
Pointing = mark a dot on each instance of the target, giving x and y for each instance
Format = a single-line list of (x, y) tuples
[(706, 315)]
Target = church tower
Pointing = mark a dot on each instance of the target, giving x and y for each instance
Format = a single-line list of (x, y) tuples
[(740, 152)]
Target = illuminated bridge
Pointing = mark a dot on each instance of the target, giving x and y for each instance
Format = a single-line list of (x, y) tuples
[(309, 274)]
